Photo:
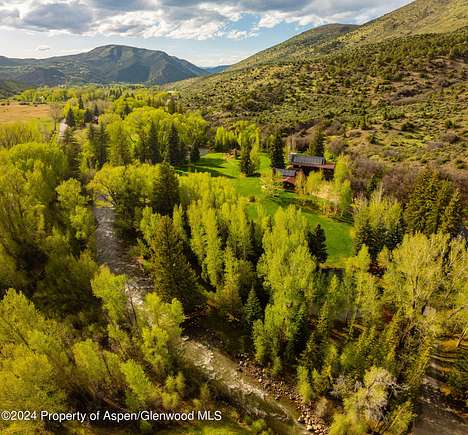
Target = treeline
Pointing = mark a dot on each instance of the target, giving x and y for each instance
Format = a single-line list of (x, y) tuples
[(46, 229), (146, 135), (88, 93), (389, 308), (69, 338)]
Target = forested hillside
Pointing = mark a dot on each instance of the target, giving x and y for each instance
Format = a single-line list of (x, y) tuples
[(107, 64), (417, 18), (9, 88), (304, 46)]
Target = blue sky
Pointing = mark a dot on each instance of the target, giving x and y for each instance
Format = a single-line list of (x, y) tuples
[(205, 32)]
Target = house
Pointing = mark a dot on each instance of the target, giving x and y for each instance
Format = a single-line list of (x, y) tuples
[(287, 176), (311, 163), (305, 164)]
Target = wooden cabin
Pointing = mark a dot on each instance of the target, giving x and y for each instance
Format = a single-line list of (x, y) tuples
[(307, 164), (287, 176)]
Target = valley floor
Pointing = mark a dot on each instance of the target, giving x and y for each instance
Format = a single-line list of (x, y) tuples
[(338, 233)]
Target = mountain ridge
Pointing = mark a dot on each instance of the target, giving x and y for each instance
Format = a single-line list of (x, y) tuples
[(416, 18), (104, 64)]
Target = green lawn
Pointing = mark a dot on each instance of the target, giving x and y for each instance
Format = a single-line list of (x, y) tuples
[(339, 242)]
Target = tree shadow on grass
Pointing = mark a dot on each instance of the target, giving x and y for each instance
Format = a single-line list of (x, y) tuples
[(209, 165)]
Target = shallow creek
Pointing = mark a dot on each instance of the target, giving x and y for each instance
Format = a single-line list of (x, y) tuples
[(237, 387)]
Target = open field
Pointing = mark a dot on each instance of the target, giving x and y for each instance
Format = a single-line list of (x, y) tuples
[(18, 112), (338, 235)]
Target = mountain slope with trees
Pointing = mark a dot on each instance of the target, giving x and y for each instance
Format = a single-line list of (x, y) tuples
[(399, 100), (311, 42), (417, 18), (107, 64)]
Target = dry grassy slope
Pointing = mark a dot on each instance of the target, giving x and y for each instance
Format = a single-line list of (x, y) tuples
[(309, 43), (415, 79), (419, 17)]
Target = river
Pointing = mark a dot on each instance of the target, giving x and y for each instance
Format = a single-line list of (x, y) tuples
[(237, 387)]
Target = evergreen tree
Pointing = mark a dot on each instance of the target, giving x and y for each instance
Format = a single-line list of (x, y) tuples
[(172, 154), (452, 218), (362, 236), (101, 145), (433, 205), (317, 245), (194, 152), (173, 276), (153, 144), (126, 110), (70, 118), (171, 106), (277, 152), (252, 308), (72, 151), (165, 190), (80, 103), (96, 110), (246, 164), (92, 137), (317, 143), (87, 116)]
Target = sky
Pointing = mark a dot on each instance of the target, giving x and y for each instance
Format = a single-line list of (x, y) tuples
[(205, 32)]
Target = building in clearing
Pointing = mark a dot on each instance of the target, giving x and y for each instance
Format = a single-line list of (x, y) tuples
[(304, 164), (311, 163)]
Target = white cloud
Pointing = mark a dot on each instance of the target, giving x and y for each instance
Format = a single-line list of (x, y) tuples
[(42, 48), (182, 19)]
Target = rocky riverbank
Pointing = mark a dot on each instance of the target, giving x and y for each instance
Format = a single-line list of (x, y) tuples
[(281, 390)]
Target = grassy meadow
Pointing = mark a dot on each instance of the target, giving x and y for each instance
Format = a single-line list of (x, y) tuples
[(23, 112), (338, 234)]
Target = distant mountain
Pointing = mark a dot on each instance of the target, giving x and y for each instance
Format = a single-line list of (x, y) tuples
[(107, 64), (9, 88), (216, 69)]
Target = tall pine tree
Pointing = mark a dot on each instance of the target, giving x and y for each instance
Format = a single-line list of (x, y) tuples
[(165, 190), (277, 152), (102, 141), (317, 143), (172, 153), (70, 118), (317, 245), (173, 276), (194, 152), (153, 144)]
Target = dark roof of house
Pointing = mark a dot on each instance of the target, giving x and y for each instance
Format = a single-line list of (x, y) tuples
[(286, 172), (301, 159)]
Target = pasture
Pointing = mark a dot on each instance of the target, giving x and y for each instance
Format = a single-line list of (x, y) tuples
[(338, 234), (14, 112)]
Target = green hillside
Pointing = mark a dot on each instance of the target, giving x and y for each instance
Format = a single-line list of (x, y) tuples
[(398, 100), (419, 17), (312, 42), (9, 88), (416, 18)]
